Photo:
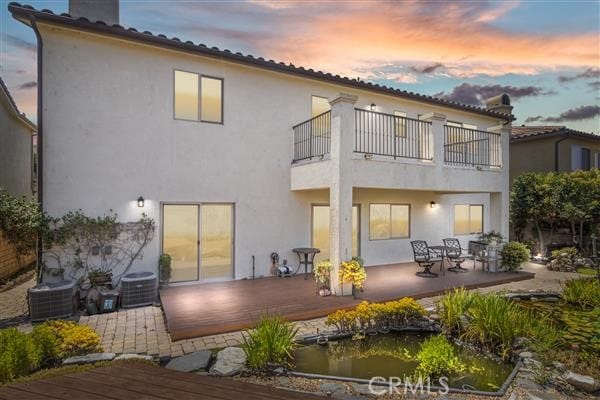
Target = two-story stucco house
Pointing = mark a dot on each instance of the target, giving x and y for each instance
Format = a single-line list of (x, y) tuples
[(552, 148), (17, 147), (236, 157)]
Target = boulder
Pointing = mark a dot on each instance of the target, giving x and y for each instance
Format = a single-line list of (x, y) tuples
[(332, 387), (133, 357), (191, 362), (364, 388), (230, 361), (89, 358), (525, 354), (539, 395), (584, 383)]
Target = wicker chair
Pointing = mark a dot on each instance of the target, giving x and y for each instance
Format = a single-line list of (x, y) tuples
[(425, 258), (455, 254)]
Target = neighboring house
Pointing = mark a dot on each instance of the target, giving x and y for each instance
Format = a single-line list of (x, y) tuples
[(236, 157), (17, 174), (17, 147), (552, 148)]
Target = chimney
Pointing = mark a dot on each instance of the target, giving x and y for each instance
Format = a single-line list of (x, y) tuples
[(95, 10), (500, 103)]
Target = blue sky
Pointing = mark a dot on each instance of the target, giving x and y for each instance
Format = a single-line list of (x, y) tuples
[(545, 54)]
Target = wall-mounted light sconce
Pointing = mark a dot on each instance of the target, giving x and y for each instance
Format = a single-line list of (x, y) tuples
[(140, 201), (368, 156), (432, 204), (373, 106)]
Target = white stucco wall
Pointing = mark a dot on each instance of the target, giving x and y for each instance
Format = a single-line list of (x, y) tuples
[(15, 151), (110, 137)]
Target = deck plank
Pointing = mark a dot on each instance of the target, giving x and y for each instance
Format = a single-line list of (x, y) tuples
[(213, 308), (13, 393)]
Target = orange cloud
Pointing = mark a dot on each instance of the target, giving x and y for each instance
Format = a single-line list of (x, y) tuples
[(358, 37)]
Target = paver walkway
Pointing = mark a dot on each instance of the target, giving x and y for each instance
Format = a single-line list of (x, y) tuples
[(143, 330)]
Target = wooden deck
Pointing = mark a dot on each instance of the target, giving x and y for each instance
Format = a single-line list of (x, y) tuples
[(137, 381), (207, 309)]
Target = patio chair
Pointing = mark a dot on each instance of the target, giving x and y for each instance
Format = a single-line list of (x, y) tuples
[(455, 254), (425, 258)]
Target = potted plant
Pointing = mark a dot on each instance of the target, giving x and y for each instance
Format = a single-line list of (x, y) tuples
[(98, 277), (164, 268), (492, 238), (322, 271), (353, 272)]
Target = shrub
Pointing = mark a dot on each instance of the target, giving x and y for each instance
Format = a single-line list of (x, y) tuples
[(566, 259), (18, 354), (437, 357), (73, 339), (491, 236), (270, 343), (367, 315), (47, 343), (452, 306), (513, 255), (344, 321), (584, 292), (353, 272)]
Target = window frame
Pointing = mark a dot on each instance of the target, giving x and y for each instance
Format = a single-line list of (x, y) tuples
[(200, 76), (400, 125), (391, 237), (312, 115), (469, 221)]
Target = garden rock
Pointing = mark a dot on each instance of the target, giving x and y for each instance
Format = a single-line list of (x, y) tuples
[(332, 387), (525, 354), (133, 356), (528, 384), (558, 365), (230, 361), (539, 395), (191, 362), (584, 383), (89, 358), (363, 388)]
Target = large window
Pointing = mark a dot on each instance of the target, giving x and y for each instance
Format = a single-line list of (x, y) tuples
[(389, 221), (198, 98), (319, 105), (468, 219), (320, 231)]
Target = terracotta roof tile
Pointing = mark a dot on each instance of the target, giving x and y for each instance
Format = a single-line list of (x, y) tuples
[(523, 132), (14, 106), (100, 26)]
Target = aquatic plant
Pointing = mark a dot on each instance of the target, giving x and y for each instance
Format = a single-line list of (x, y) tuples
[(452, 306), (583, 292), (437, 357), (271, 342)]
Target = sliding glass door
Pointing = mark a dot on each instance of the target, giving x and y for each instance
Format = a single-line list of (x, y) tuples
[(320, 231), (199, 238)]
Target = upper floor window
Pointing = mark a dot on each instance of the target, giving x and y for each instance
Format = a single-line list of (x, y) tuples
[(198, 97), (581, 158), (468, 219), (389, 221), (400, 124), (319, 105)]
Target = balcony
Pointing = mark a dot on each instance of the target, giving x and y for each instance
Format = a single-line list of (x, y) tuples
[(396, 137)]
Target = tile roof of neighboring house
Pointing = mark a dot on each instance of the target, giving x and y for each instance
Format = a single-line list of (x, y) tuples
[(527, 132), (13, 106), (161, 40)]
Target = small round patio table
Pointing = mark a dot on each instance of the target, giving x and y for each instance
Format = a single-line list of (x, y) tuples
[(308, 253)]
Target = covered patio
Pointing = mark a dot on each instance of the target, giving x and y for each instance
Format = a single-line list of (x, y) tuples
[(213, 308)]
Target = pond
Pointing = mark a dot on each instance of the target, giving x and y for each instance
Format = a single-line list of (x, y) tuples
[(393, 355)]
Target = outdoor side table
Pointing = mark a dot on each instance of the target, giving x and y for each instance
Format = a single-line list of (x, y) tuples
[(308, 253)]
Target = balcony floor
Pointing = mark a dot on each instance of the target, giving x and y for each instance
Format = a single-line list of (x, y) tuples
[(212, 308)]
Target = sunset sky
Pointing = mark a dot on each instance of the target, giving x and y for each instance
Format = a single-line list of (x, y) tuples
[(544, 54)]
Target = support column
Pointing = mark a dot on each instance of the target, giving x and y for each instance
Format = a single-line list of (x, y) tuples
[(436, 146), (500, 201), (340, 189)]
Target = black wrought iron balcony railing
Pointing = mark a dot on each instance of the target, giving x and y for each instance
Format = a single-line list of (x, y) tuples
[(472, 147), (312, 138), (392, 135)]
